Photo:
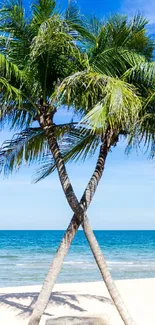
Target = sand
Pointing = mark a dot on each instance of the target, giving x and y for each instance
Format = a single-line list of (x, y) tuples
[(81, 299)]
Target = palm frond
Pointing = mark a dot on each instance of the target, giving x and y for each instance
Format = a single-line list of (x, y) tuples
[(109, 62), (118, 31), (16, 31), (107, 100), (9, 92), (139, 22), (29, 146), (12, 19), (146, 128), (82, 144), (143, 74), (54, 54), (76, 24), (82, 90), (50, 34), (17, 119), (119, 108), (94, 26), (42, 10), (118, 62), (78, 143), (72, 13), (9, 69)]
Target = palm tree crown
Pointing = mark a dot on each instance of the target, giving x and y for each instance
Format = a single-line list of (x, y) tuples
[(102, 69)]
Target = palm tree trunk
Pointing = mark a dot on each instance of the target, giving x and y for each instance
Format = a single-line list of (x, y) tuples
[(106, 275), (79, 209), (99, 258), (53, 272), (57, 262), (73, 202)]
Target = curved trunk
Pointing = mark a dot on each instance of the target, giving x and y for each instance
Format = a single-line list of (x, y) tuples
[(63, 176), (106, 275), (79, 209), (53, 272), (57, 262)]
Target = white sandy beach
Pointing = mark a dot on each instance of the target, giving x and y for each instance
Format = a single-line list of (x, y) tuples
[(81, 299)]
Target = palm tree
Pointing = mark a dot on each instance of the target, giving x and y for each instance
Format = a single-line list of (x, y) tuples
[(107, 120), (26, 92)]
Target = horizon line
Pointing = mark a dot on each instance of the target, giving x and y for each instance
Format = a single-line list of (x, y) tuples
[(78, 230)]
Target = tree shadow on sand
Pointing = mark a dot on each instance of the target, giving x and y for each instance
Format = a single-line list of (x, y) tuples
[(17, 301)]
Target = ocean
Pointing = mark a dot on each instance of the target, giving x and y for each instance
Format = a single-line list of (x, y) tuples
[(25, 256)]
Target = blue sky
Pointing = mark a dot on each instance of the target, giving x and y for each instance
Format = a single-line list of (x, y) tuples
[(125, 196)]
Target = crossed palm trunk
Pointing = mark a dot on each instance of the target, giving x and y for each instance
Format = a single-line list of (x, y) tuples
[(79, 218)]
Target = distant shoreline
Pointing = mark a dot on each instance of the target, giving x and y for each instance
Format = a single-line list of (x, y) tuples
[(37, 288), (25, 256), (78, 230)]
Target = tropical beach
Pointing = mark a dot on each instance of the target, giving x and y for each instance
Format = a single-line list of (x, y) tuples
[(25, 256), (77, 118), (24, 264), (81, 300)]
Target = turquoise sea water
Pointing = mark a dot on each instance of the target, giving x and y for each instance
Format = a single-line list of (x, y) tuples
[(25, 256)]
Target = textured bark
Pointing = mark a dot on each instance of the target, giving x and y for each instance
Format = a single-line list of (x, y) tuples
[(53, 272), (56, 264), (49, 129), (79, 210), (106, 275)]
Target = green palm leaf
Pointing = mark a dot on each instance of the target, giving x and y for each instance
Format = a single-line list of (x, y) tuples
[(26, 147), (72, 13), (9, 70), (142, 74), (42, 10), (79, 143), (30, 146), (119, 108)]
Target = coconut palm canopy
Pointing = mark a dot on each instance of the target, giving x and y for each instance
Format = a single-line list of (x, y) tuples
[(103, 71)]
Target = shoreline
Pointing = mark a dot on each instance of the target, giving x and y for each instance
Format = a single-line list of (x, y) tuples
[(84, 299), (37, 287)]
